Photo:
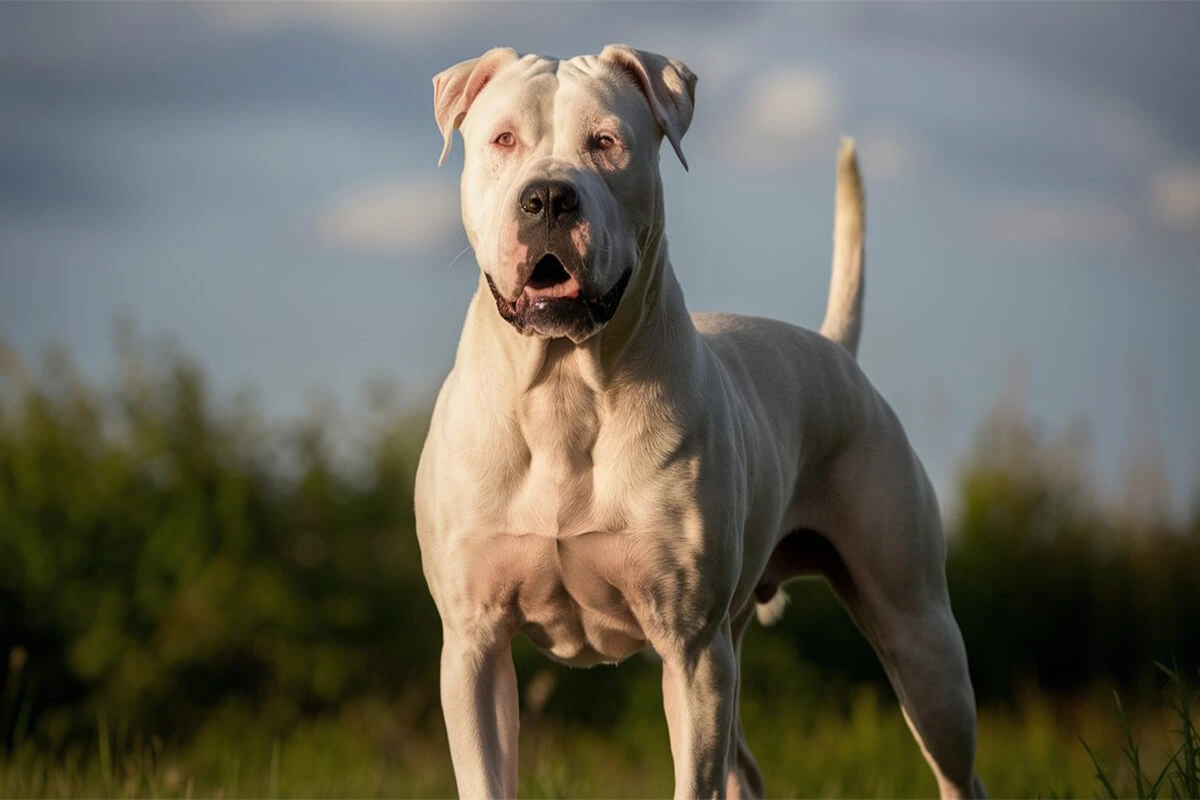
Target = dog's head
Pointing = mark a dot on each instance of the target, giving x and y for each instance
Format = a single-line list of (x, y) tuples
[(560, 183)]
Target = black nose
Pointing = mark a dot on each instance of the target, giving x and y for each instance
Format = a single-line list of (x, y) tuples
[(548, 199)]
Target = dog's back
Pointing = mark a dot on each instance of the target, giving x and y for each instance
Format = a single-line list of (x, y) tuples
[(769, 361)]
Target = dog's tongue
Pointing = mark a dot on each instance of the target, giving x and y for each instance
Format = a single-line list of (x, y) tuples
[(568, 288)]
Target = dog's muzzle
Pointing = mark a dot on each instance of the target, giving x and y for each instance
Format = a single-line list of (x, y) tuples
[(552, 303)]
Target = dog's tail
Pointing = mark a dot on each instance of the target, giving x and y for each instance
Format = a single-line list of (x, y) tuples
[(843, 314)]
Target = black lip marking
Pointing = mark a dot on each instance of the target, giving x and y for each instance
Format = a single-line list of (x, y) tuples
[(574, 317)]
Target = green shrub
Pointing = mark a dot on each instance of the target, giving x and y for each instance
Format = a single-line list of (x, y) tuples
[(167, 558)]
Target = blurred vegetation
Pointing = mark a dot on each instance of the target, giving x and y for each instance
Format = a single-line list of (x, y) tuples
[(192, 597), (1179, 775), (162, 555)]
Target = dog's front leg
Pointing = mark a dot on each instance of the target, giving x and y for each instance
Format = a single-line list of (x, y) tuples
[(699, 687), (479, 700)]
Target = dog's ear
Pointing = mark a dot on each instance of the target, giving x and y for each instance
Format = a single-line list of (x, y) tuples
[(454, 90), (667, 83)]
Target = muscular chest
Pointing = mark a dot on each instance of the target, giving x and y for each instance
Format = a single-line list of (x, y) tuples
[(582, 531), (583, 599), (563, 460), (586, 563)]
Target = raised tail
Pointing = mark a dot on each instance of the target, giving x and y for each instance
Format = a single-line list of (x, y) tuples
[(843, 314)]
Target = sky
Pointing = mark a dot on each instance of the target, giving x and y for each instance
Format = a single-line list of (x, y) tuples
[(258, 182)]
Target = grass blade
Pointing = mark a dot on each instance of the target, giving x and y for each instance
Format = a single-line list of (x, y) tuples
[(106, 773), (274, 788), (1101, 775)]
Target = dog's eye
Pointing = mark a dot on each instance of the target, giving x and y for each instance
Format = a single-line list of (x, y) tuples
[(604, 141), (505, 139)]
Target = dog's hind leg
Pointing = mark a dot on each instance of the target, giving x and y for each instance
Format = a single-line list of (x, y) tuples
[(892, 579), (744, 778), (923, 655)]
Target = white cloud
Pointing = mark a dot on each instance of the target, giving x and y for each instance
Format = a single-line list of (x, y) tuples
[(718, 65), (395, 218), (888, 152), (408, 21), (1127, 136), (1060, 224), (1175, 197), (793, 101), (786, 111), (103, 37)]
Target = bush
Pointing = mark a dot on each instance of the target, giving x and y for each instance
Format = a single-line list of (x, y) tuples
[(166, 558), (161, 554)]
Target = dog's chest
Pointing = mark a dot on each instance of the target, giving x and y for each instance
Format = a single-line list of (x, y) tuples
[(585, 599), (584, 536), (560, 427), (571, 461)]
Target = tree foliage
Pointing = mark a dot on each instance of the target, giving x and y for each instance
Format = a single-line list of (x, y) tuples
[(164, 554)]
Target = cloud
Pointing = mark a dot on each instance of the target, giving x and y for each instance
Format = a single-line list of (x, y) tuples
[(889, 153), (395, 218), (718, 60), (786, 111), (1068, 45), (1128, 137), (74, 41), (791, 101), (409, 22), (1175, 197), (1059, 224), (718, 65)]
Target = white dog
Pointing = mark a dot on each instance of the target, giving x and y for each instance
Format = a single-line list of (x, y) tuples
[(605, 473)]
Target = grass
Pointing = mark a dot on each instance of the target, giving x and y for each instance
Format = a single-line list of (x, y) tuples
[(852, 743), (864, 750), (1179, 775)]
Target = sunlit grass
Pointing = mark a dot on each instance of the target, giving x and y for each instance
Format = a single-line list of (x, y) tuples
[(1031, 751), (172, 564), (1179, 773)]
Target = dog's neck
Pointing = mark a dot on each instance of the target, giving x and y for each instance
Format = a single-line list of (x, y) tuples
[(648, 337)]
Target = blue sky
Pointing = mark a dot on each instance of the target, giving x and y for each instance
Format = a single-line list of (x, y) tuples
[(259, 181)]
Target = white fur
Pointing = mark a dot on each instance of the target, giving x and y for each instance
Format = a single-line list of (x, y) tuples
[(632, 486)]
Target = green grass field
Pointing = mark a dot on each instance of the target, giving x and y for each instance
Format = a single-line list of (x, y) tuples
[(371, 751), (194, 602)]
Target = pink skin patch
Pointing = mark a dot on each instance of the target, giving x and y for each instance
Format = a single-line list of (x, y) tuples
[(512, 251), (581, 237)]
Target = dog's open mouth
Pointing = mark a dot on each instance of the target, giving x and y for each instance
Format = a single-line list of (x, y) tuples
[(551, 279), (553, 301)]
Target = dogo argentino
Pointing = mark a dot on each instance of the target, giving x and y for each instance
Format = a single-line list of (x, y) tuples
[(605, 473)]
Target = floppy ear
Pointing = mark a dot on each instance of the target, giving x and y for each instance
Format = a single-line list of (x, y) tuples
[(667, 83), (454, 90)]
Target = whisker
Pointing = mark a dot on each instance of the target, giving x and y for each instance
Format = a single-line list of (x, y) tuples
[(457, 257)]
